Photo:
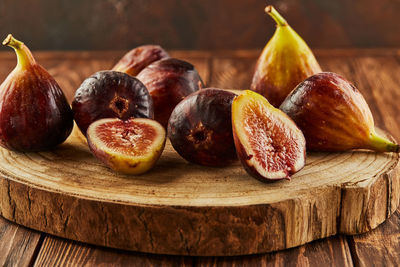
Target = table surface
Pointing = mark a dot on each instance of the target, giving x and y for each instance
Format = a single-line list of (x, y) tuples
[(375, 72)]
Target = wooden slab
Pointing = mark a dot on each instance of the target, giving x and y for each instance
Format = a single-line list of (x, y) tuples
[(181, 208)]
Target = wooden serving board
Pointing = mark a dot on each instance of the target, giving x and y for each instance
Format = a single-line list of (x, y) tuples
[(181, 208)]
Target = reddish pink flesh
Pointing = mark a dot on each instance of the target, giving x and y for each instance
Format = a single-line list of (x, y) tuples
[(128, 137), (271, 142)]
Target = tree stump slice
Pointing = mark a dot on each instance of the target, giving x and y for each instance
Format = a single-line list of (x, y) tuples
[(184, 209)]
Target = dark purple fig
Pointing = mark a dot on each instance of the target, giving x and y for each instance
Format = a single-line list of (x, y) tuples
[(139, 58), (169, 81), (333, 115), (34, 113), (200, 128), (110, 94)]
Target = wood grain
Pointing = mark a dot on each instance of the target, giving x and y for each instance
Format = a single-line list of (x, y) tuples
[(332, 251), (377, 247), (18, 245), (67, 192), (59, 252)]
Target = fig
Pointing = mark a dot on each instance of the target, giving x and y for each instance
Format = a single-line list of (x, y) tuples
[(333, 115), (110, 94), (268, 143), (140, 57), (34, 113), (130, 146), (169, 81), (285, 62), (200, 128)]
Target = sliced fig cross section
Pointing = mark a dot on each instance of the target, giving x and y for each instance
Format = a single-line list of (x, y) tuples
[(268, 143), (132, 146)]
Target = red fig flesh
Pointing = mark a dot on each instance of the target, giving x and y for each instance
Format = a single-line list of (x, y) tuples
[(132, 146), (140, 57), (34, 113), (333, 115), (268, 142)]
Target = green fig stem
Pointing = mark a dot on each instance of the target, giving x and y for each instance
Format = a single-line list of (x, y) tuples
[(382, 144), (24, 55), (280, 21)]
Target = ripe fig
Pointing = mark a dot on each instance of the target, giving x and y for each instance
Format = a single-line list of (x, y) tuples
[(139, 58), (169, 81), (333, 115), (200, 128), (268, 142), (132, 146), (285, 61), (110, 94), (34, 113)]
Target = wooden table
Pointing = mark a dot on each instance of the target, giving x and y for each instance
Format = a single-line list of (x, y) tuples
[(376, 72)]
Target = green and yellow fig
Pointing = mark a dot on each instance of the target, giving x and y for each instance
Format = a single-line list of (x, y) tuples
[(285, 61)]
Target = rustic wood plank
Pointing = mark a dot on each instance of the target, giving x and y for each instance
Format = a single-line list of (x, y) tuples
[(332, 251), (18, 245), (380, 247), (61, 252)]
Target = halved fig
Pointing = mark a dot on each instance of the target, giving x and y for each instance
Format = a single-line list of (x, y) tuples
[(128, 146), (268, 143), (111, 94)]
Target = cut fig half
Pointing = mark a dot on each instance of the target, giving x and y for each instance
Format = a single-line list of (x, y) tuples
[(268, 143), (130, 146)]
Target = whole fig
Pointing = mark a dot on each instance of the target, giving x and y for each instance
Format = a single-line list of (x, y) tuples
[(333, 115), (140, 57), (110, 94), (34, 113), (200, 128), (168, 81)]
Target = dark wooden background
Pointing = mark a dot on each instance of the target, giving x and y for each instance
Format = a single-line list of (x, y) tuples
[(196, 24)]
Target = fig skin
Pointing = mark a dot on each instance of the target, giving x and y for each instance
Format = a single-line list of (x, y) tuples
[(268, 143), (34, 113), (131, 147), (333, 115), (110, 94), (138, 58), (285, 62), (200, 128), (168, 82)]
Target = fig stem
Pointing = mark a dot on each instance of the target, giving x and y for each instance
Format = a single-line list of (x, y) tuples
[(280, 21), (24, 55), (382, 144)]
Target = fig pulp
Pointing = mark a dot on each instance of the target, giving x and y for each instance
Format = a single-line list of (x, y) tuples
[(132, 146), (139, 58), (333, 115), (34, 113), (110, 94), (268, 143), (200, 128), (169, 81), (285, 61)]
